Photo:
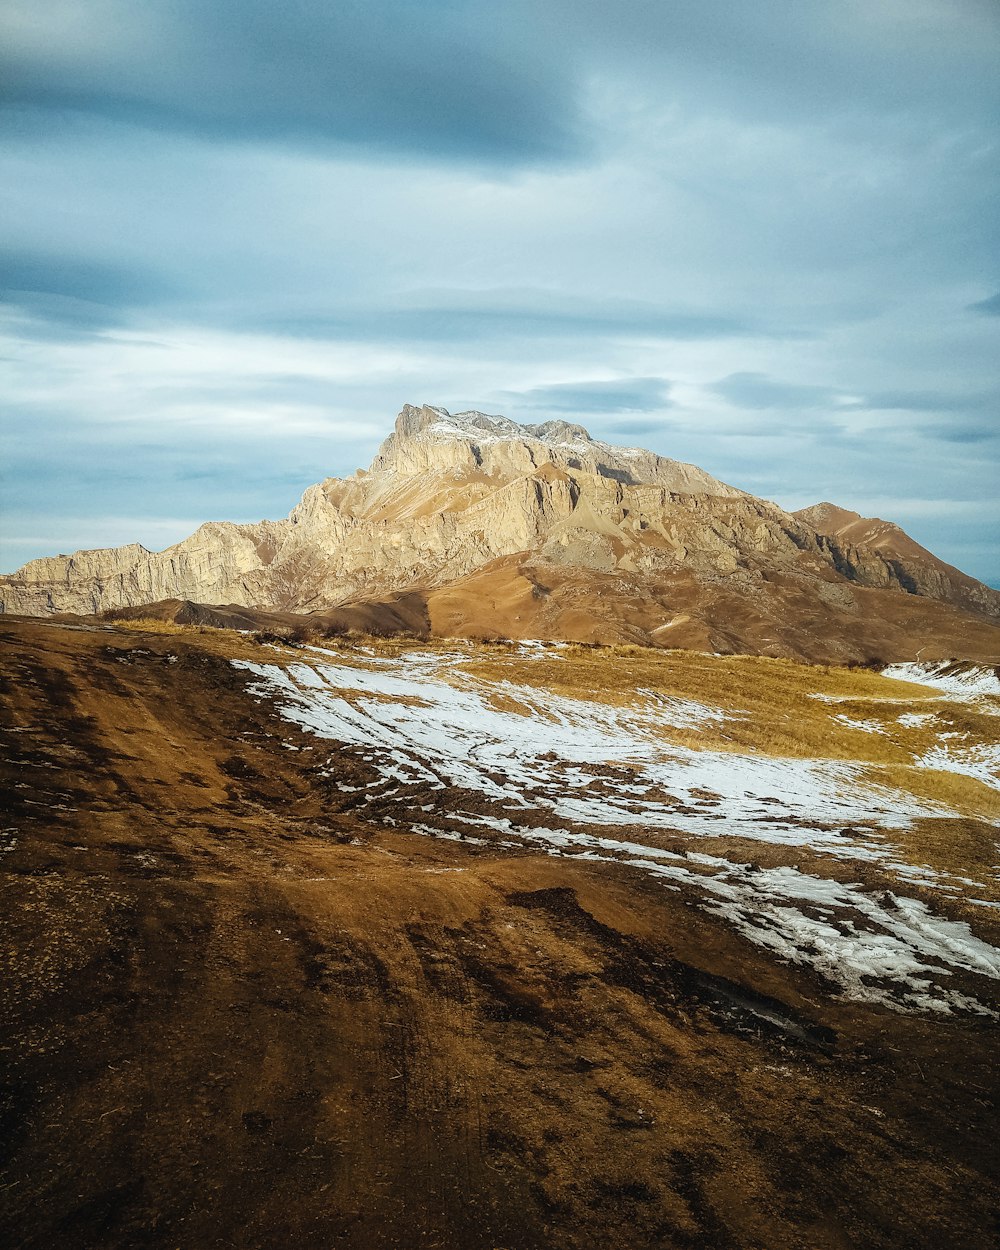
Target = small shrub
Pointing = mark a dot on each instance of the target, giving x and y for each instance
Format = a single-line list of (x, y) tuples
[(283, 638), (872, 664)]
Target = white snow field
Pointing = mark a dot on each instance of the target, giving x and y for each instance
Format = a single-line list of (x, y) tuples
[(963, 680), (574, 777)]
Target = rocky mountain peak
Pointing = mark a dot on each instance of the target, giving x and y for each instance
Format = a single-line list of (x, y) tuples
[(823, 516), (429, 421), (432, 441), (553, 533)]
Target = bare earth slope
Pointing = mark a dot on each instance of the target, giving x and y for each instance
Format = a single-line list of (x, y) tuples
[(492, 947), (470, 509)]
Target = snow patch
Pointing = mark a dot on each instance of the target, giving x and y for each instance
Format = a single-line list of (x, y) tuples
[(865, 726), (913, 720), (424, 722), (956, 679), (980, 760)]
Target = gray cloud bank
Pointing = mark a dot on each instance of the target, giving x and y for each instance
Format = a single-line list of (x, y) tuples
[(238, 236)]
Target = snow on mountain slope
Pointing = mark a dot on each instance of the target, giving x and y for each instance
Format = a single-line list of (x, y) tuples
[(961, 680)]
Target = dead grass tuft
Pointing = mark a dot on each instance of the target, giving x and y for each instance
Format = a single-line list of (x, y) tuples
[(150, 625)]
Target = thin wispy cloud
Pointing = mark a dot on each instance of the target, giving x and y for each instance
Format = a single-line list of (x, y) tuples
[(602, 397), (988, 307)]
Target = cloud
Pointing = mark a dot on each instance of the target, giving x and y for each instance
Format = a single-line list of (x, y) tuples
[(618, 431), (930, 401), (987, 307), (450, 78), (833, 413), (77, 277), (466, 80), (758, 391), (767, 60), (237, 236), (964, 431), (71, 296), (616, 395), (515, 314)]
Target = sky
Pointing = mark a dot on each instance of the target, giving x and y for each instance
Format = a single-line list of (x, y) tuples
[(237, 236)]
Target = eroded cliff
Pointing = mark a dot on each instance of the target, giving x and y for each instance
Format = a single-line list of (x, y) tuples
[(449, 495)]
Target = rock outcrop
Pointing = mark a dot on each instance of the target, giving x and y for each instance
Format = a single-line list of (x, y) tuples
[(886, 552), (448, 497)]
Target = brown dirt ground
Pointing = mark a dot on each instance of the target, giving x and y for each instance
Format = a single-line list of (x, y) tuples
[(237, 1011), (774, 613)]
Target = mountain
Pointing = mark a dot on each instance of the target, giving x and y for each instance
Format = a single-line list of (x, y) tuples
[(543, 531), (917, 569)]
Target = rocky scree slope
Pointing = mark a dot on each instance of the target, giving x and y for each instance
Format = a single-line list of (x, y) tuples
[(449, 498)]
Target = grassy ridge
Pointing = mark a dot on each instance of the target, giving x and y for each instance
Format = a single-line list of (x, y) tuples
[(774, 707)]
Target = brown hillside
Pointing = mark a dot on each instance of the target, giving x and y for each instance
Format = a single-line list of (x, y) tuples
[(239, 1009)]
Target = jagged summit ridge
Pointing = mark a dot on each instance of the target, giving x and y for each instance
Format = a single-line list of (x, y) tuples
[(480, 426), (430, 439)]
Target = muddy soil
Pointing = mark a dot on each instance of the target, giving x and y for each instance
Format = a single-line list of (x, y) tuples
[(237, 1010)]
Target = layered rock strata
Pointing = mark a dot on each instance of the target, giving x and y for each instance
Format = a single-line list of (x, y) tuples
[(447, 495)]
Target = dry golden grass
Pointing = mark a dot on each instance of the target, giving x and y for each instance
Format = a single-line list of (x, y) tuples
[(962, 847), (956, 791), (612, 674), (773, 706), (150, 625), (773, 709), (230, 643)]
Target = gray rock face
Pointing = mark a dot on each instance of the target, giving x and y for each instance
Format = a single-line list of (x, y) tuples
[(447, 494)]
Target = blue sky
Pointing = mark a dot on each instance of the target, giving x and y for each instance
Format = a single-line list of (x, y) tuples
[(238, 236)]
